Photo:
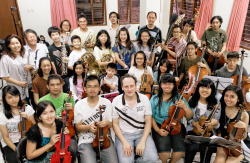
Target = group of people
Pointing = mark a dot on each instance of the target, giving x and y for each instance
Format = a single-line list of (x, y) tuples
[(36, 75)]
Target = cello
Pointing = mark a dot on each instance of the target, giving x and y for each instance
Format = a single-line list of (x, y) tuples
[(202, 120), (62, 154), (24, 124), (195, 74), (235, 134), (101, 141), (173, 124), (69, 116)]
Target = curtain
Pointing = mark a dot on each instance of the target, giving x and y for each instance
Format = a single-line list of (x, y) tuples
[(63, 9), (206, 9), (236, 24)]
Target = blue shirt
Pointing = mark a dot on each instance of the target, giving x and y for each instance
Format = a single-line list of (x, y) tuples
[(159, 118)]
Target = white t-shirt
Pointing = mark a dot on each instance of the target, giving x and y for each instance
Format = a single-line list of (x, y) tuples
[(74, 56), (88, 115), (98, 53), (111, 81), (138, 73), (131, 119), (12, 125), (112, 33), (202, 107)]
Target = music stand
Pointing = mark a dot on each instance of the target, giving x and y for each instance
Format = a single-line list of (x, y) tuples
[(110, 96), (214, 141), (220, 82), (122, 72)]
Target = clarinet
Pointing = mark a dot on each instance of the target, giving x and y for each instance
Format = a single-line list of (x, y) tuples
[(26, 75)]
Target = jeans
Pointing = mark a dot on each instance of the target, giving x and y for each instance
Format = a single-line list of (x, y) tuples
[(150, 153), (88, 155)]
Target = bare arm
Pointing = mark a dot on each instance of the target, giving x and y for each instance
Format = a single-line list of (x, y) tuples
[(119, 60), (81, 127), (14, 81), (36, 97), (6, 137), (147, 128)]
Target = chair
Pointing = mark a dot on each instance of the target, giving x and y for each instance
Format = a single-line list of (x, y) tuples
[(21, 150)]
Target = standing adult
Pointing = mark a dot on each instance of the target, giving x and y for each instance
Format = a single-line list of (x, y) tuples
[(65, 29), (114, 28)]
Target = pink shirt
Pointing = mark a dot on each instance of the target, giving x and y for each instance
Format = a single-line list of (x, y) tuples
[(180, 48)]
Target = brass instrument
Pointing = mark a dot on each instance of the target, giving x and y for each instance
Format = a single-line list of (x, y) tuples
[(88, 40), (65, 60), (106, 58), (34, 74), (91, 63)]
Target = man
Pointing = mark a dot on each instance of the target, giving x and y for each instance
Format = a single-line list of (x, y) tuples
[(187, 33), (190, 60), (178, 43), (151, 18), (132, 124), (87, 118), (35, 50), (114, 28), (215, 40), (88, 37)]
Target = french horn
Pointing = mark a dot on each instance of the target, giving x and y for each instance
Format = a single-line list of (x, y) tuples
[(91, 63), (105, 58)]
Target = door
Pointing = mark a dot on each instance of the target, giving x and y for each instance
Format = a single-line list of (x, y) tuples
[(8, 10)]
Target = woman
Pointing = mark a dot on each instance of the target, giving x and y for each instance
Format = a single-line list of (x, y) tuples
[(39, 84), (145, 44), (42, 137), (167, 97), (9, 120), (202, 103), (14, 65), (231, 102), (65, 30), (103, 47), (164, 68), (140, 68), (123, 49), (76, 81)]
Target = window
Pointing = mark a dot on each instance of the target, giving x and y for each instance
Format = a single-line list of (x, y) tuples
[(95, 10), (129, 11), (245, 40)]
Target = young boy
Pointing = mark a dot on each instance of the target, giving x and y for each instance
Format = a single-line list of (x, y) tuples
[(77, 51), (111, 79)]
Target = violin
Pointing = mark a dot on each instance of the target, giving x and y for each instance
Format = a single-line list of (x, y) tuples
[(84, 93), (217, 62), (69, 116), (173, 124), (105, 87), (62, 153), (145, 87), (24, 124), (207, 129), (235, 134), (195, 74), (101, 141)]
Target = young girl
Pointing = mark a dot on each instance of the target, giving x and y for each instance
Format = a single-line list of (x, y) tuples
[(139, 68), (43, 135), (164, 68), (145, 44), (14, 65), (102, 47), (231, 101), (168, 96), (10, 119), (76, 80), (123, 49), (65, 30), (202, 103), (39, 84)]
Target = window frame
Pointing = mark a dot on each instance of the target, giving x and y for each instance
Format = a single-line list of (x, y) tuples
[(130, 12), (243, 41)]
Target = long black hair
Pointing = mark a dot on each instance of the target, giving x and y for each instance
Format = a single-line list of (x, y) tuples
[(75, 75), (168, 78), (144, 56), (168, 65), (41, 107), (40, 72), (98, 42), (14, 92), (211, 100), (150, 41)]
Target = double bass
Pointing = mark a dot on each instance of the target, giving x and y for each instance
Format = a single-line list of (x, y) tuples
[(207, 129), (24, 124), (69, 116), (195, 74), (173, 124), (62, 154), (101, 141)]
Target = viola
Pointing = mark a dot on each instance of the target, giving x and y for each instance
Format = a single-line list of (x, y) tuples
[(69, 116), (62, 153), (173, 124), (145, 87), (235, 134), (195, 74), (207, 129), (217, 62), (101, 141), (105, 87), (24, 124)]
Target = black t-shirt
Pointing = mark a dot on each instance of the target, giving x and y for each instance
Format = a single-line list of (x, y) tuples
[(55, 55), (153, 32)]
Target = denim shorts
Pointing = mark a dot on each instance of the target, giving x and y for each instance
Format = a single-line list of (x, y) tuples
[(166, 143)]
